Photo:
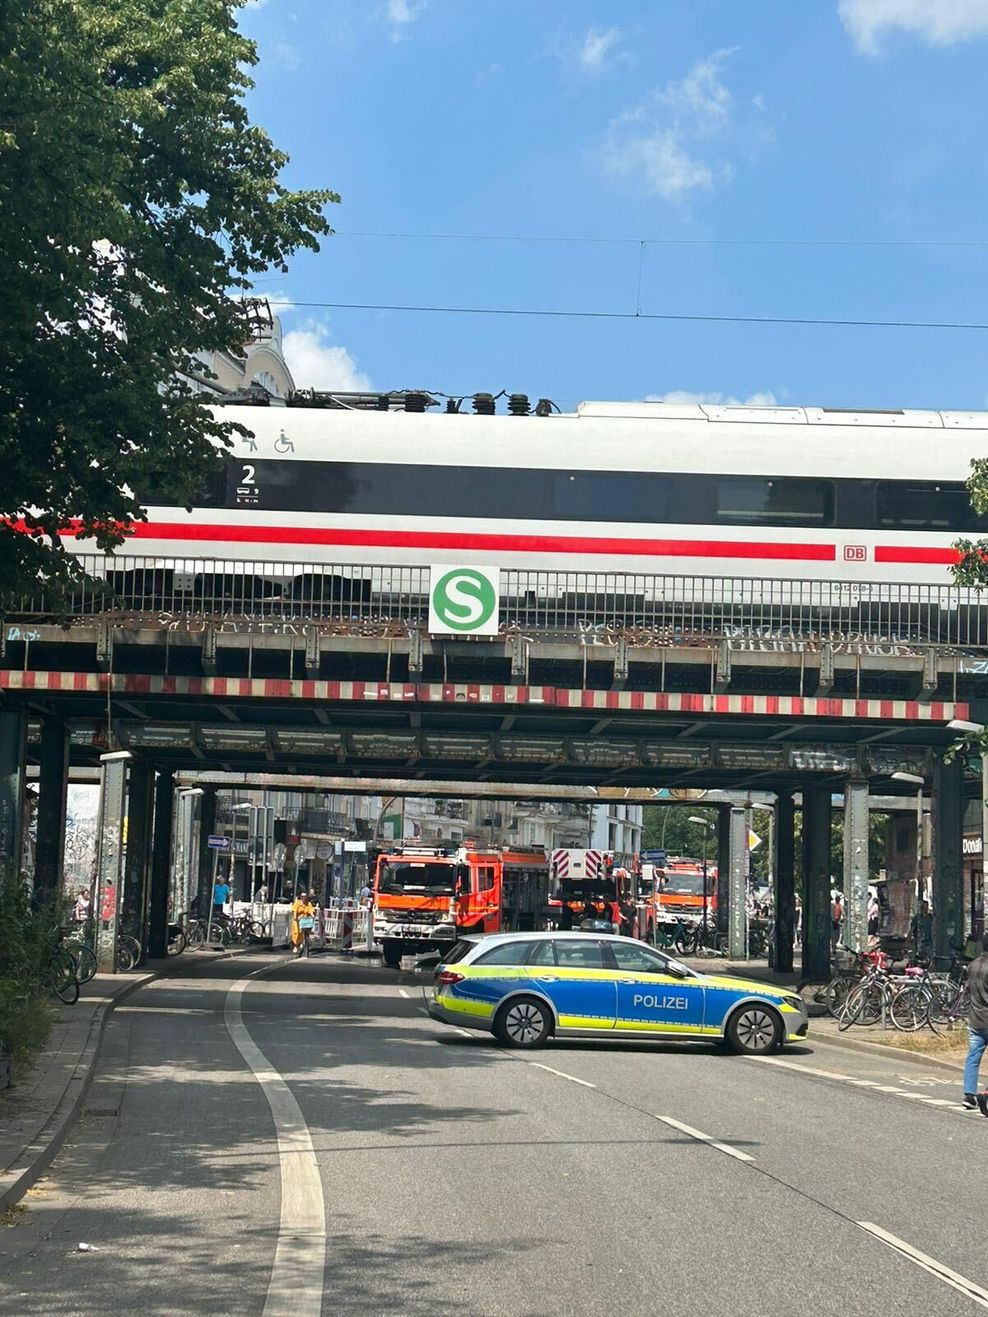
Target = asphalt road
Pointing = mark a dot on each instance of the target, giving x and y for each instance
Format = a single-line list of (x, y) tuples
[(454, 1175)]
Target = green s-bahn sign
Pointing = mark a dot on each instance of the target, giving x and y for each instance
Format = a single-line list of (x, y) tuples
[(463, 601)]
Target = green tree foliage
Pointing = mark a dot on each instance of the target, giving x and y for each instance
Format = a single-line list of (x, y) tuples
[(137, 202), (29, 934), (972, 569)]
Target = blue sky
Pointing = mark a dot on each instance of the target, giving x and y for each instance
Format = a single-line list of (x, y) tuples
[(712, 125)]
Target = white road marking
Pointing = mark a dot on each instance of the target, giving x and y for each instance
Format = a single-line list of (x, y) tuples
[(423, 1010), (562, 1074), (403, 993), (296, 1285), (949, 1277), (705, 1138), (860, 1083)]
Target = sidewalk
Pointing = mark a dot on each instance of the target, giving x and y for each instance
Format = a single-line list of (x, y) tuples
[(38, 1112)]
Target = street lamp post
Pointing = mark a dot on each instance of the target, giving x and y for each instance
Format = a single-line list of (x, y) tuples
[(920, 782)]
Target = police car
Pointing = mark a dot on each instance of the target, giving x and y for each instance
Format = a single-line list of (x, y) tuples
[(524, 987)]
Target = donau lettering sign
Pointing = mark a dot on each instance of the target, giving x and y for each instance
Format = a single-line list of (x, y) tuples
[(463, 601)]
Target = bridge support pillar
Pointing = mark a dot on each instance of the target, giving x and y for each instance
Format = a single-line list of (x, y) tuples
[(784, 879), (737, 940), (948, 868), (161, 848), (109, 869), (136, 857), (816, 883), (53, 786), (204, 875), (856, 829), (13, 736)]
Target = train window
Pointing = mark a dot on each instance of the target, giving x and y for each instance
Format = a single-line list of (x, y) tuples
[(741, 501), (926, 506), (628, 496)]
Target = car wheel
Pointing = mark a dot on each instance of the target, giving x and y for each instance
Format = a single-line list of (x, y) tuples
[(523, 1023), (754, 1030)]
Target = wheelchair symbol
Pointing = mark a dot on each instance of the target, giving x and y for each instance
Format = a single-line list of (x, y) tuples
[(283, 444)]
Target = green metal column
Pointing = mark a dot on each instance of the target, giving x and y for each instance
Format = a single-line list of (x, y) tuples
[(816, 883), (135, 883), (13, 734), (948, 865), (784, 879), (207, 826), (856, 863), (164, 801), (53, 786)]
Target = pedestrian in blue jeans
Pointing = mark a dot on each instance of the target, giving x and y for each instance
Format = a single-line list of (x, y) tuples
[(977, 1022)]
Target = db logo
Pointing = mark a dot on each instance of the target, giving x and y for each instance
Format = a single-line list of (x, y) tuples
[(855, 553)]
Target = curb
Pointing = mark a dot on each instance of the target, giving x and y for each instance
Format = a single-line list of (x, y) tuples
[(35, 1159), (882, 1049)]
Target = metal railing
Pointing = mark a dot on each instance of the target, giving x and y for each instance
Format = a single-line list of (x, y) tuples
[(644, 608)]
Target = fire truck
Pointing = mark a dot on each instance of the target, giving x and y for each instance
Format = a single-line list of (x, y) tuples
[(588, 891), (425, 897), (675, 890)]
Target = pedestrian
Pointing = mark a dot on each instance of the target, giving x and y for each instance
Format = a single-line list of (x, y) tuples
[(221, 894), (83, 906), (874, 914), (261, 894), (798, 929), (977, 1023), (365, 895), (303, 921), (836, 921)]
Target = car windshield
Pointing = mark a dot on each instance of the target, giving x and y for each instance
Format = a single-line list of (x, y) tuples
[(683, 884), (413, 876)]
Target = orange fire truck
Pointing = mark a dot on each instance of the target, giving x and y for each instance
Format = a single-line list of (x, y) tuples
[(425, 897), (674, 890), (588, 891)]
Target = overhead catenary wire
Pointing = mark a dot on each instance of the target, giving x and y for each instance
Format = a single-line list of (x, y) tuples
[(618, 240), (669, 316)]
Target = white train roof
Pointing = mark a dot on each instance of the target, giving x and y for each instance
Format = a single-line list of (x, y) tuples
[(632, 436)]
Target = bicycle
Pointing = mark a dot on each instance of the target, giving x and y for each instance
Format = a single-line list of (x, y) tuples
[(60, 976), (884, 996), (83, 955), (129, 952)]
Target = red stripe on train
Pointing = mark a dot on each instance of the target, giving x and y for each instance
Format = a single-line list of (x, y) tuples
[(907, 553), (415, 539)]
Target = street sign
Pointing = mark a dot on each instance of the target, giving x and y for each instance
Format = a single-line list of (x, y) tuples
[(463, 601), (280, 854), (654, 857), (218, 843)]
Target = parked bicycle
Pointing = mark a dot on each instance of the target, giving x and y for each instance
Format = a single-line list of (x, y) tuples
[(82, 954)]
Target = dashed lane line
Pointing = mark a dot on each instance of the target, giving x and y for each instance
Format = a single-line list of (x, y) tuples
[(562, 1074), (705, 1138), (958, 1282), (872, 1084)]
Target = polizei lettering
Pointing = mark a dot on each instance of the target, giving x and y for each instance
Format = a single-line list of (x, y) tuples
[(660, 1003)]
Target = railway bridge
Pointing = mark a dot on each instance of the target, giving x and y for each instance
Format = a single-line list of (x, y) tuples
[(168, 676)]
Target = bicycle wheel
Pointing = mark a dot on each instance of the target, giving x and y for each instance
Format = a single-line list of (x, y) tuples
[(126, 958), (63, 978), (194, 935), (835, 993), (85, 960), (217, 936), (909, 1008), (177, 943)]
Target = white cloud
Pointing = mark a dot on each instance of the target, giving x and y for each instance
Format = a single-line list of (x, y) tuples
[(763, 399), (938, 22), (401, 14), (598, 48), (667, 140), (316, 363)]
